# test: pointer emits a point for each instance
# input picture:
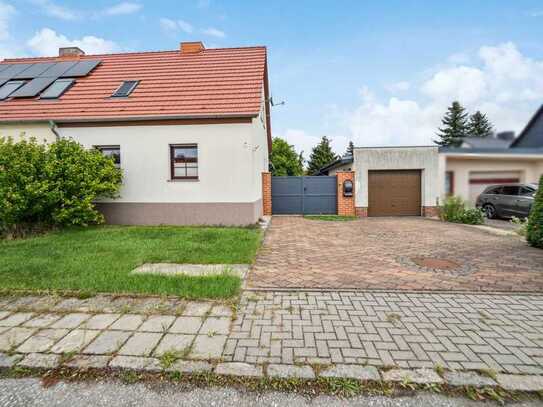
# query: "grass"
(99, 259)
(330, 217)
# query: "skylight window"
(57, 88)
(9, 87)
(125, 89)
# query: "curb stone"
(352, 372)
(458, 379)
(136, 363)
(239, 369)
(418, 376)
(290, 371)
(40, 360)
(190, 366)
(520, 383)
(9, 361)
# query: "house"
(415, 180)
(190, 128)
(501, 159)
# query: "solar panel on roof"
(33, 71)
(4, 66)
(9, 88)
(13, 70)
(81, 68)
(57, 88)
(32, 88)
(125, 89)
(58, 69)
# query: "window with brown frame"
(184, 161)
(113, 152)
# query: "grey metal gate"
(304, 195)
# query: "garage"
(480, 180)
(394, 193)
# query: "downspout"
(53, 127)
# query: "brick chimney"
(70, 52)
(192, 47)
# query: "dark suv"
(507, 200)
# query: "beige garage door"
(394, 193)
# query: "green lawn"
(99, 259)
(330, 217)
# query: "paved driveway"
(393, 253)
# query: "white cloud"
(46, 42)
(501, 82)
(213, 32)
(6, 12)
(174, 26)
(54, 10)
(123, 8)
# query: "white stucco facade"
(424, 159)
(42, 131)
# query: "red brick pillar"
(345, 204)
(266, 194)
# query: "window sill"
(184, 180)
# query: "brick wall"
(362, 211)
(345, 204)
(266, 194)
(430, 211)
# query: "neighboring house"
(478, 163)
(190, 128)
(414, 180)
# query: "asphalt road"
(29, 392)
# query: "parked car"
(505, 201)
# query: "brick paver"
(407, 330)
(382, 253)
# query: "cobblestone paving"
(371, 253)
(457, 331)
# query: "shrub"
(52, 185)
(534, 230)
(521, 225)
(454, 210)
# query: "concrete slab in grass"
(221, 311)
(107, 342)
(352, 372)
(42, 340)
(16, 319)
(288, 371)
(178, 343)
(418, 376)
(140, 344)
(468, 379)
(42, 321)
(4, 314)
(520, 382)
(75, 341)
(135, 363)
(186, 325)
(101, 321)
(197, 309)
(157, 323)
(207, 347)
(239, 369)
(40, 360)
(14, 337)
(128, 323)
(193, 270)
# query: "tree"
(321, 155)
(534, 230)
(479, 125)
(350, 148)
(284, 160)
(454, 126)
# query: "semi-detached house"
(190, 128)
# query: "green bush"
(534, 230)
(454, 210)
(52, 185)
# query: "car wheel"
(490, 211)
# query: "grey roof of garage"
(500, 151)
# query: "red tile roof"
(211, 83)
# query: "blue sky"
(375, 72)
